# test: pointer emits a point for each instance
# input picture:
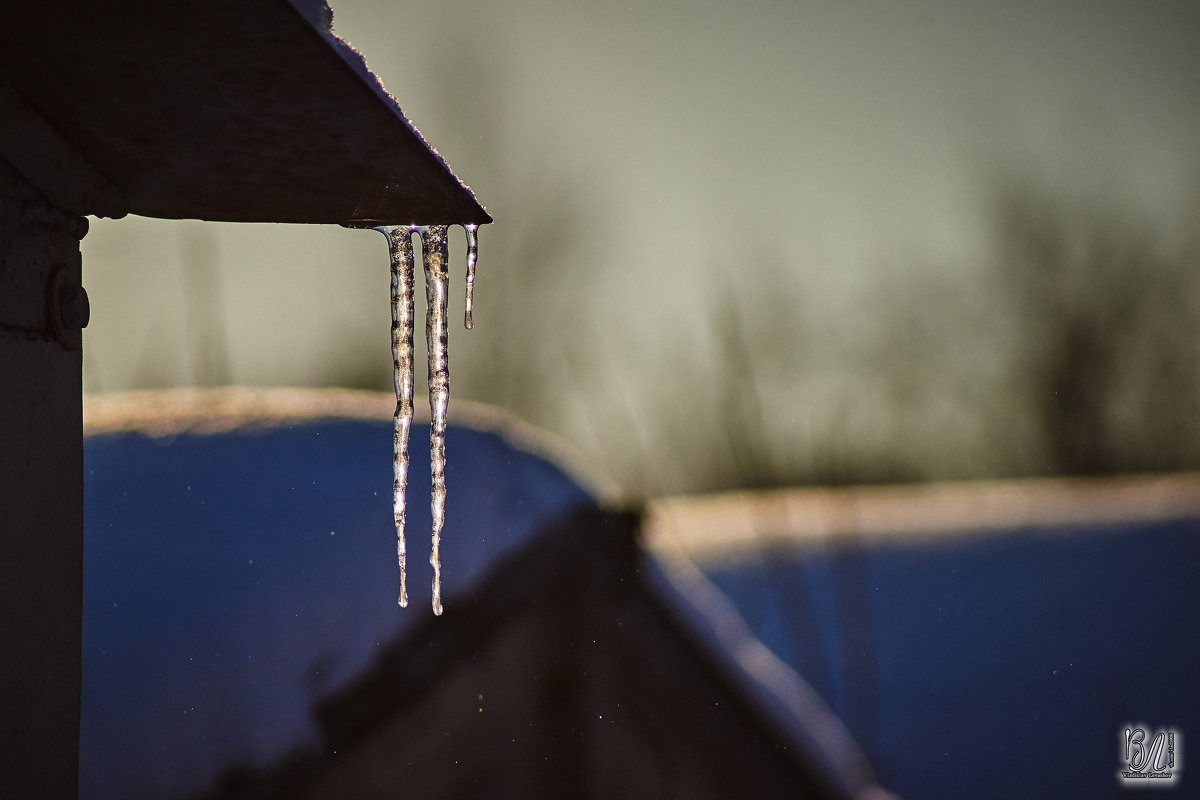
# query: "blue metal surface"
(231, 579)
(996, 666)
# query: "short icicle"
(472, 231)
(435, 251)
(400, 248)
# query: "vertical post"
(42, 308)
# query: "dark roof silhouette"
(573, 671)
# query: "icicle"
(472, 231)
(435, 252)
(400, 248)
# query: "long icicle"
(435, 251)
(400, 248)
(472, 231)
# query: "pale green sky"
(852, 136)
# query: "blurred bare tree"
(774, 394)
(1106, 316)
(1074, 348)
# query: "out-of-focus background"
(752, 244)
(737, 246)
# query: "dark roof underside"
(233, 110)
